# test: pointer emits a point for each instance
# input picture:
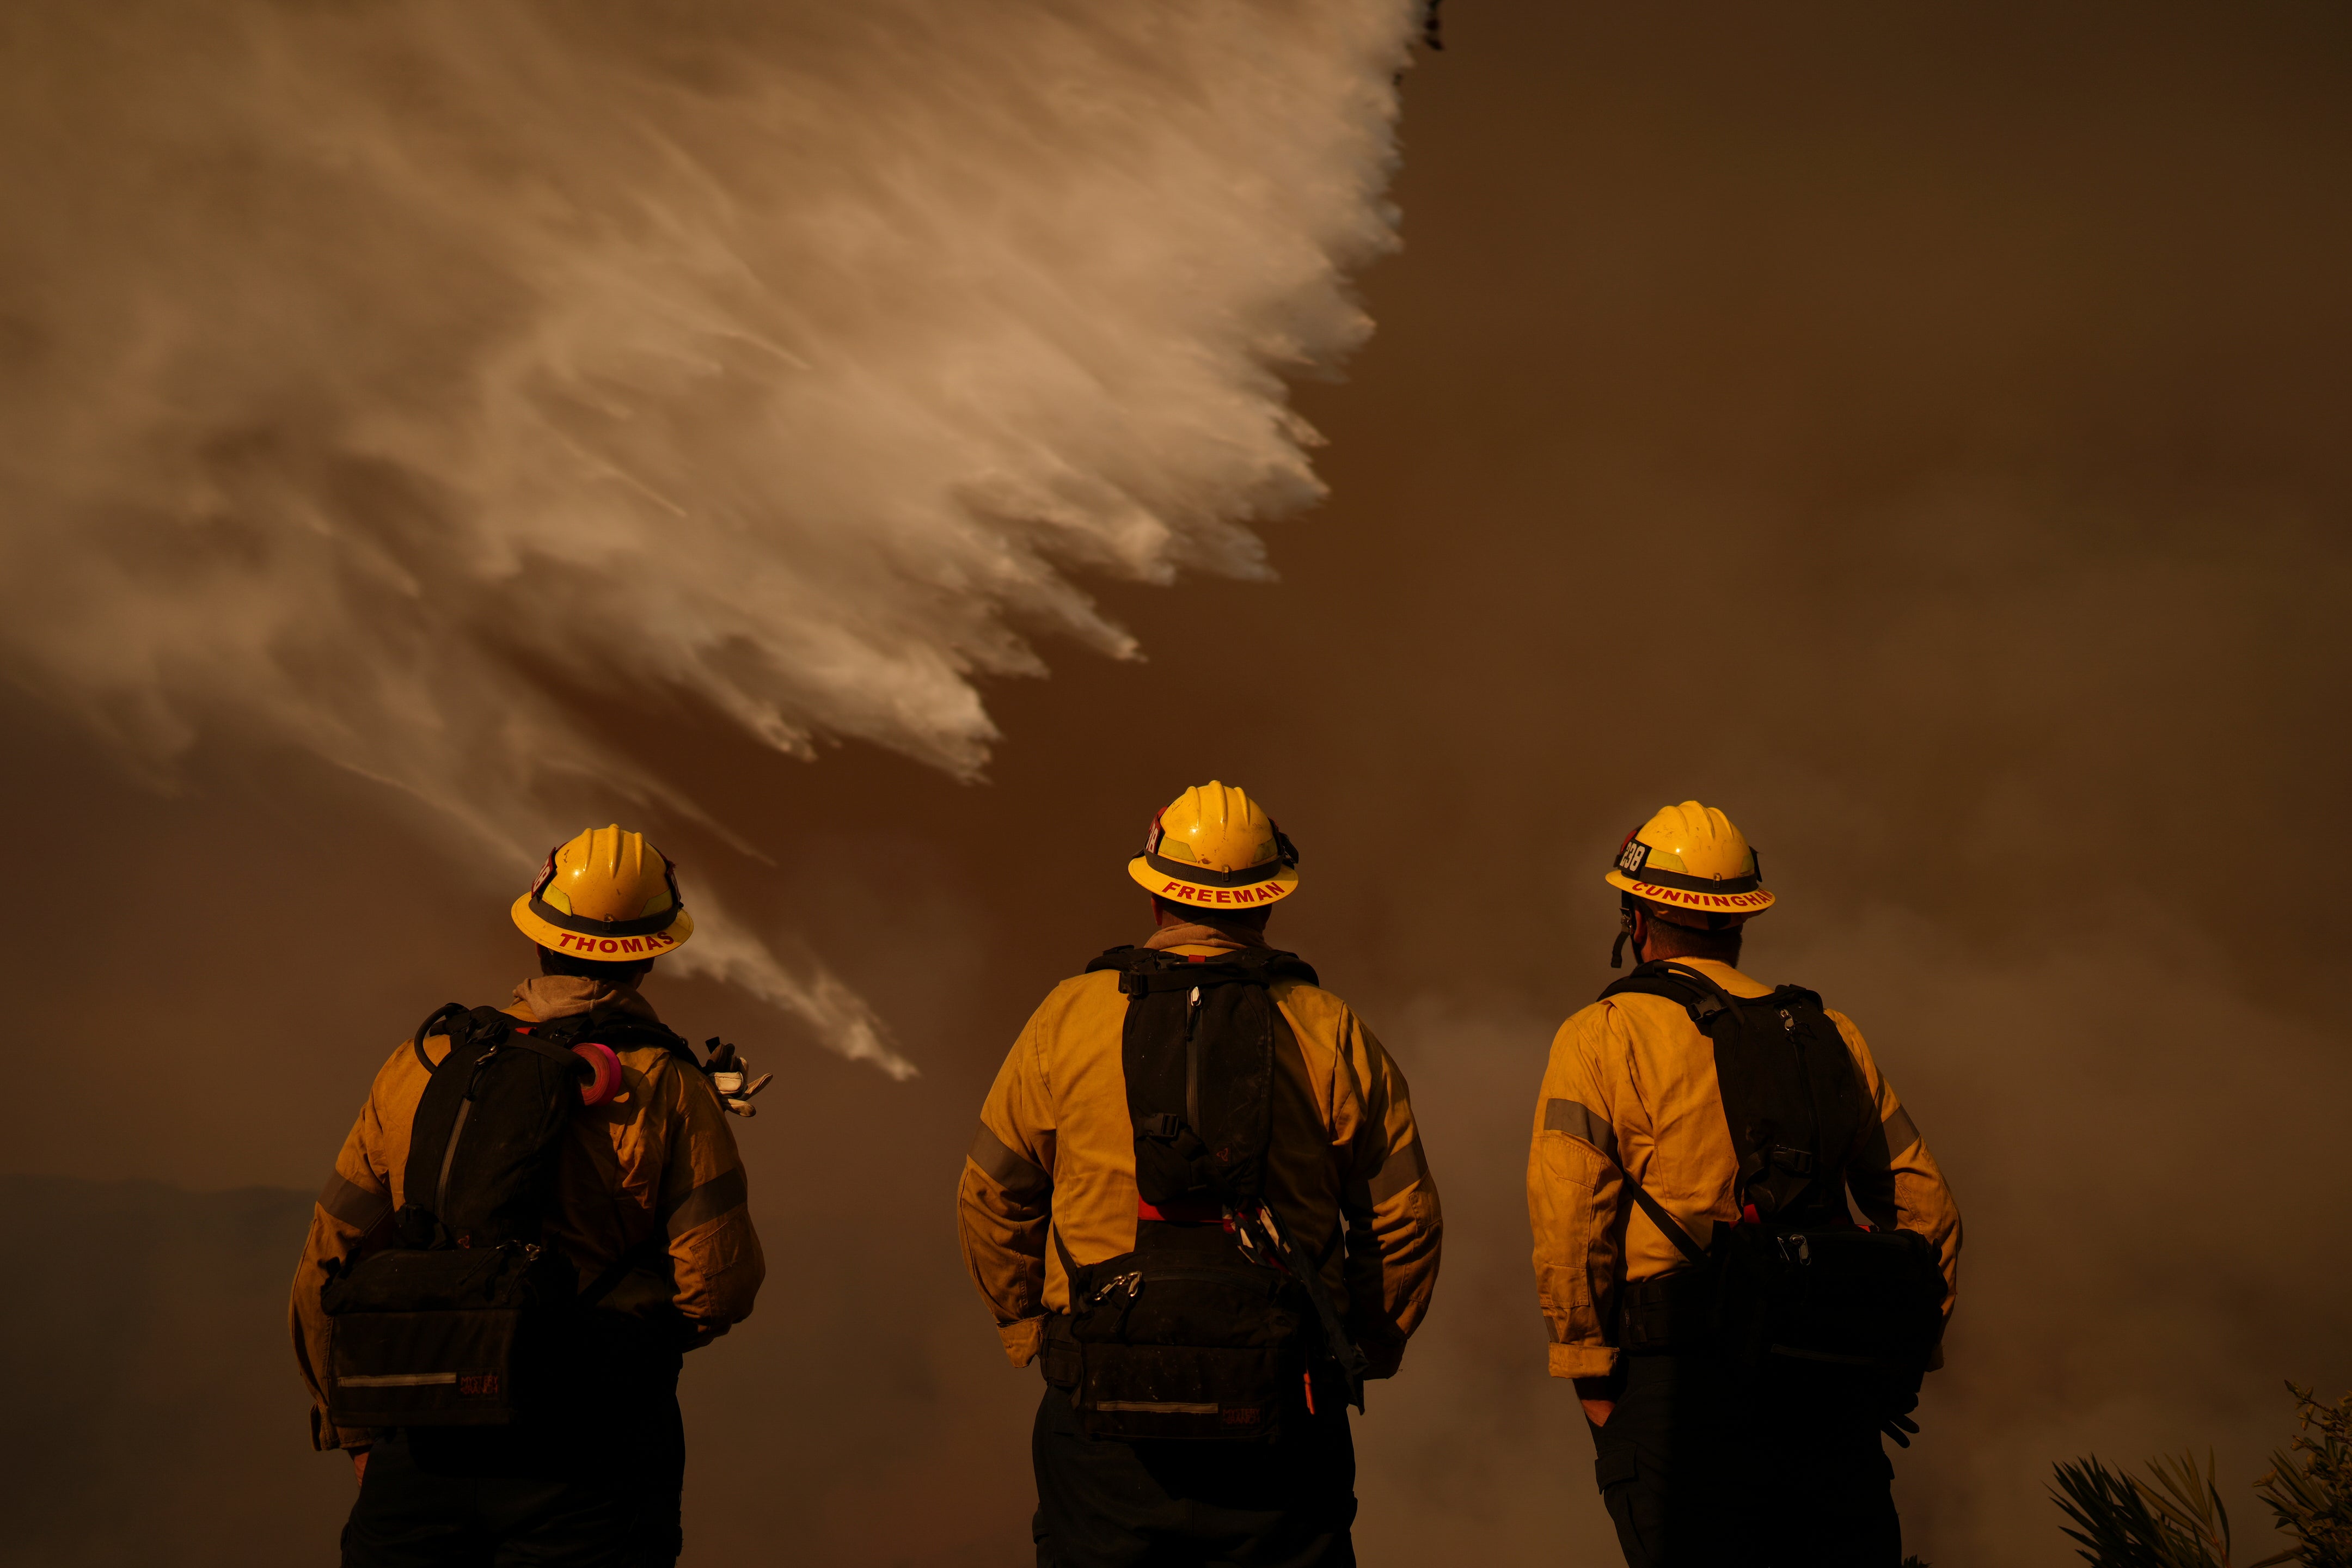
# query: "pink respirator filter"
(607, 1069)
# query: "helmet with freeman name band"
(607, 895)
(1214, 847)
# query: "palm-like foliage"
(2310, 1484)
(2175, 1520)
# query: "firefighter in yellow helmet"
(538, 1209)
(1738, 1341)
(1198, 1200)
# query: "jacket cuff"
(1583, 1361)
(1022, 1339)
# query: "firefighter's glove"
(1382, 1357)
(1384, 1347)
(730, 1074)
(1897, 1423)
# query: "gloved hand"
(1384, 1347)
(1897, 1423)
(730, 1074)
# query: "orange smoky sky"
(1920, 430)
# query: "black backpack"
(466, 1317)
(1795, 1279)
(1219, 1319)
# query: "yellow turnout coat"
(1056, 1148)
(1631, 1087)
(657, 1158)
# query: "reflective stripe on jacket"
(657, 1158)
(1632, 1080)
(1055, 1147)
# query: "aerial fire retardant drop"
(483, 376)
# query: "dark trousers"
(1105, 1504)
(1781, 1469)
(600, 1493)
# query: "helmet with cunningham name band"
(1690, 857)
(1214, 847)
(607, 895)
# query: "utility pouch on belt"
(1796, 1278)
(465, 1320)
(1213, 1326)
(1181, 1338)
(441, 1338)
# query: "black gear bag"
(1796, 1278)
(1216, 1323)
(468, 1316)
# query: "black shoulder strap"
(556, 1037)
(464, 1025)
(1144, 970)
(1784, 995)
(1677, 983)
(1074, 1272)
(1275, 964)
(1664, 1221)
(1706, 1003)
(1703, 999)
(441, 1110)
(548, 1048)
(624, 1031)
(433, 1024)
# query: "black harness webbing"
(1664, 1221)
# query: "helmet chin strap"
(1625, 932)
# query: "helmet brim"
(1754, 903)
(1250, 896)
(602, 949)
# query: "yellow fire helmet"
(1689, 857)
(1216, 847)
(607, 895)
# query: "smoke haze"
(381, 378)
(1921, 433)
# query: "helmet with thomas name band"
(607, 895)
